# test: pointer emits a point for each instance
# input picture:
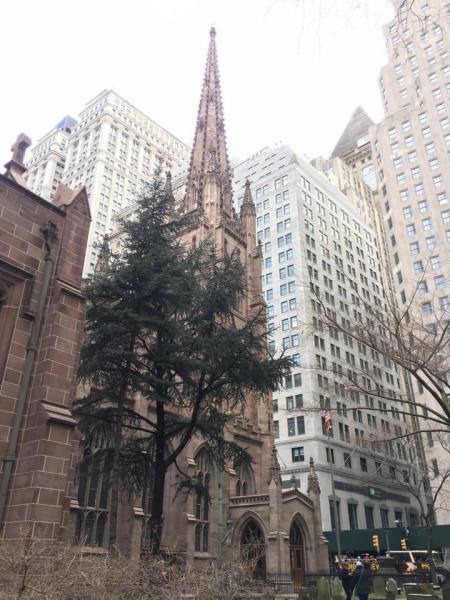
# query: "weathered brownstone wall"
(39, 483)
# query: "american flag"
(327, 421)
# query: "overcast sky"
(291, 70)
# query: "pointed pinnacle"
(247, 194)
(168, 185)
(209, 133)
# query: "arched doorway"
(297, 554)
(253, 549)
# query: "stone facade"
(410, 149)
(42, 248)
(248, 505)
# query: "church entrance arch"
(297, 554)
(253, 548)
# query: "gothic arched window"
(205, 477)
(245, 480)
(295, 535)
(253, 548)
(93, 498)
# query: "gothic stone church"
(248, 504)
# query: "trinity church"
(248, 506)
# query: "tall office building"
(112, 151)
(411, 152)
(354, 147)
(318, 242)
(409, 149)
(48, 157)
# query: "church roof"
(356, 128)
(209, 152)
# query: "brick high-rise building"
(42, 248)
(112, 151)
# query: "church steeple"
(209, 179)
(248, 206)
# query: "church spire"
(313, 480)
(209, 160)
(248, 206)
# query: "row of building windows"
(381, 447)
(444, 305)
(369, 513)
(422, 206)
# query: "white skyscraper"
(411, 151)
(113, 150)
(318, 242)
(48, 157)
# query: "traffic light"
(403, 544)
(376, 542)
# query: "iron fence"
(283, 582)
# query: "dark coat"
(362, 580)
(347, 580)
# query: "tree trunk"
(115, 477)
(160, 466)
(156, 520)
(115, 470)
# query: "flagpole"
(333, 494)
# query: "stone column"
(318, 558)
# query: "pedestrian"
(362, 580)
(347, 580)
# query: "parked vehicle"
(410, 562)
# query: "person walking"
(347, 581)
(362, 580)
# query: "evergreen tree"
(162, 327)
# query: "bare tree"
(425, 485)
(411, 337)
(35, 570)
(412, 340)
